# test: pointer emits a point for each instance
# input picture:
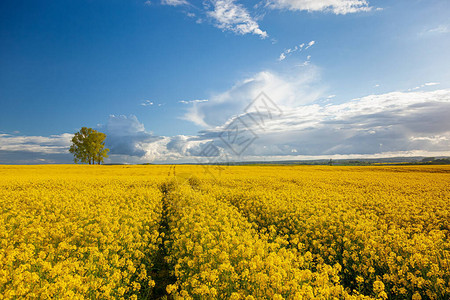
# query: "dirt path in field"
(162, 273)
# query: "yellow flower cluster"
(387, 227)
(217, 253)
(76, 232)
(240, 232)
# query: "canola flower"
(77, 234)
(388, 226)
(248, 232)
(218, 254)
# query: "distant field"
(238, 232)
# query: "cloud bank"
(51, 144)
(391, 124)
(19, 149)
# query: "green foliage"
(88, 146)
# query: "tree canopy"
(88, 146)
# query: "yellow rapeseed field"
(75, 232)
(238, 232)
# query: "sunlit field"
(238, 232)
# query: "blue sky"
(164, 78)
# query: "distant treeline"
(434, 161)
(425, 161)
(338, 162)
(352, 162)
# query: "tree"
(88, 146)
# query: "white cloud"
(151, 103)
(287, 89)
(296, 48)
(310, 44)
(53, 144)
(392, 124)
(335, 6)
(396, 122)
(433, 139)
(441, 29)
(192, 101)
(228, 15)
(128, 140)
(423, 85)
(304, 64)
(148, 3)
(147, 103)
(174, 2)
(126, 135)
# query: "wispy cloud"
(441, 29)
(310, 44)
(147, 103)
(339, 7)
(192, 101)
(174, 2)
(294, 49)
(434, 31)
(423, 85)
(231, 16)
